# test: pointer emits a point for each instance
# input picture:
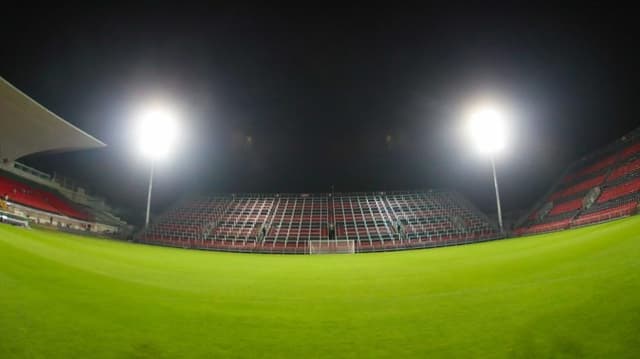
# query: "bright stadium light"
(157, 133)
(487, 129)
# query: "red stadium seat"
(620, 190)
(577, 188)
(618, 176)
(43, 200)
(624, 170)
(607, 214)
(566, 207)
(546, 227)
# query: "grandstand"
(601, 186)
(598, 187)
(24, 194)
(289, 223)
(29, 128)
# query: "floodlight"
(157, 131)
(487, 129)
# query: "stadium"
(375, 273)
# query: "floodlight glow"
(158, 132)
(487, 129)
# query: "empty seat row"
(566, 207)
(621, 155)
(620, 190)
(27, 195)
(577, 188)
(624, 170)
(278, 222)
(607, 214)
(544, 227)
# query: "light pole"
(495, 184)
(146, 221)
(487, 129)
(157, 132)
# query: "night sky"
(299, 100)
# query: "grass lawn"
(569, 294)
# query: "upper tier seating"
(577, 188)
(24, 194)
(624, 170)
(604, 163)
(286, 223)
(630, 151)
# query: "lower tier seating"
(34, 197)
(621, 210)
(566, 207)
(606, 214)
(545, 227)
(287, 223)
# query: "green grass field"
(568, 294)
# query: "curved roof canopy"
(26, 127)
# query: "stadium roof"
(26, 127)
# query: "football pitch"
(570, 294)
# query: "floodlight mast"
(157, 131)
(146, 221)
(487, 129)
(495, 184)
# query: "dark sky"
(362, 98)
